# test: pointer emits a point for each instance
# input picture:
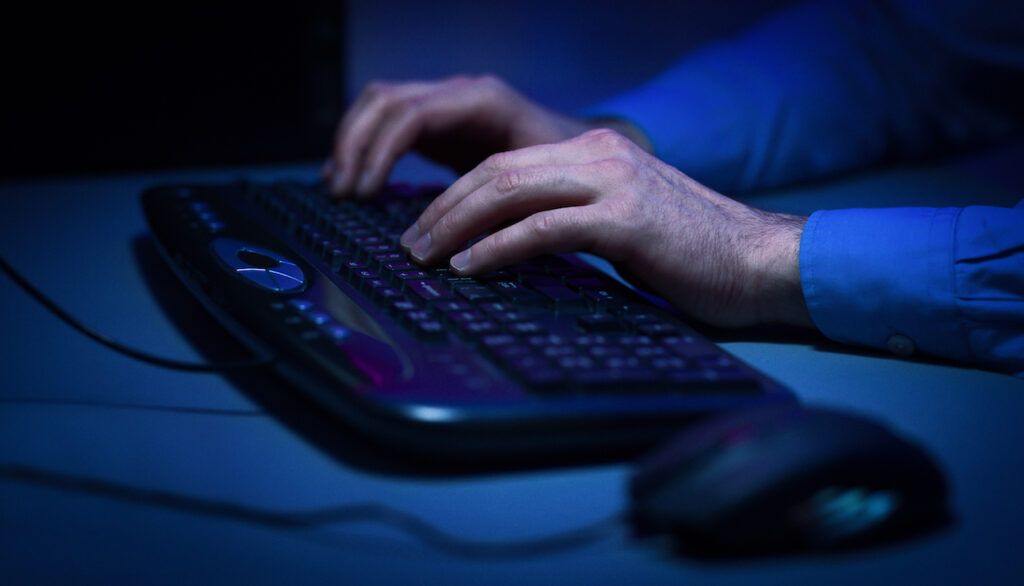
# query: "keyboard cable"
(327, 518)
(42, 299)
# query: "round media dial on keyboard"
(261, 267)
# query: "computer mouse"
(786, 478)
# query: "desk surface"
(78, 412)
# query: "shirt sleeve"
(944, 281)
(836, 85)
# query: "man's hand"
(456, 122)
(714, 258)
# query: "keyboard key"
(478, 328)
(418, 315)
(491, 307)
(690, 348)
(351, 267)
(464, 316)
(403, 306)
(575, 362)
(300, 305)
(668, 363)
(605, 351)
(405, 276)
(387, 258)
(605, 299)
(431, 330)
(507, 317)
(396, 265)
(428, 291)
(549, 340)
(499, 340)
(650, 351)
(517, 293)
(658, 329)
(559, 351)
(318, 317)
(512, 351)
(590, 340)
(639, 319)
(600, 323)
(622, 363)
(521, 270)
(476, 293)
(527, 363)
(446, 306)
(585, 283)
(385, 295)
(526, 327)
(372, 250)
(337, 257)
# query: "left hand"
(714, 258)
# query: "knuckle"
(410, 106)
(490, 81)
(496, 163)
(445, 225)
(607, 138)
(543, 225)
(509, 182)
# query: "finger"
(332, 166)
(574, 151)
(359, 128)
(353, 141)
(446, 105)
(397, 136)
(509, 196)
(546, 232)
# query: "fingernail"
(338, 182)
(422, 247)
(410, 236)
(365, 184)
(460, 262)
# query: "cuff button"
(900, 345)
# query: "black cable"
(408, 523)
(126, 350)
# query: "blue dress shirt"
(834, 86)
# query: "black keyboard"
(541, 357)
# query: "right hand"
(457, 122)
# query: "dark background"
(151, 86)
(147, 85)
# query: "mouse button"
(709, 491)
(698, 442)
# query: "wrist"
(774, 264)
(623, 127)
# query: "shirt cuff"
(884, 278)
